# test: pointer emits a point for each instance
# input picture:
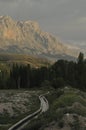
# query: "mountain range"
(26, 37)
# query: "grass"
(61, 102)
(5, 127)
(68, 99)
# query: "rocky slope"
(26, 37)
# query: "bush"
(58, 83)
(35, 125)
(61, 124)
(46, 85)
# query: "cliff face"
(27, 37)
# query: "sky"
(65, 19)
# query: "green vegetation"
(62, 101)
(68, 99)
(58, 75)
(47, 117)
(53, 78)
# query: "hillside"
(26, 37)
(67, 111)
(34, 61)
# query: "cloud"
(8, 1)
(64, 18)
(81, 20)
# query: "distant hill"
(23, 59)
(26, 37)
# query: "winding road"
(44, 106)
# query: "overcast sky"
(64, 18)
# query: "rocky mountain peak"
(34, 25)
(27, 37)
(7, 20)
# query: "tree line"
(59, 74)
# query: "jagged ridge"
(27, 37)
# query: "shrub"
(61, 124)
(58, 83)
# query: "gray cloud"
(64, 18)
(8, 1)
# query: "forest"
(61, 73)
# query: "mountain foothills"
(26, 37)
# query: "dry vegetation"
(16, 104)
(67, 111)
(24, 59)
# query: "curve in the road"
(43, 108)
